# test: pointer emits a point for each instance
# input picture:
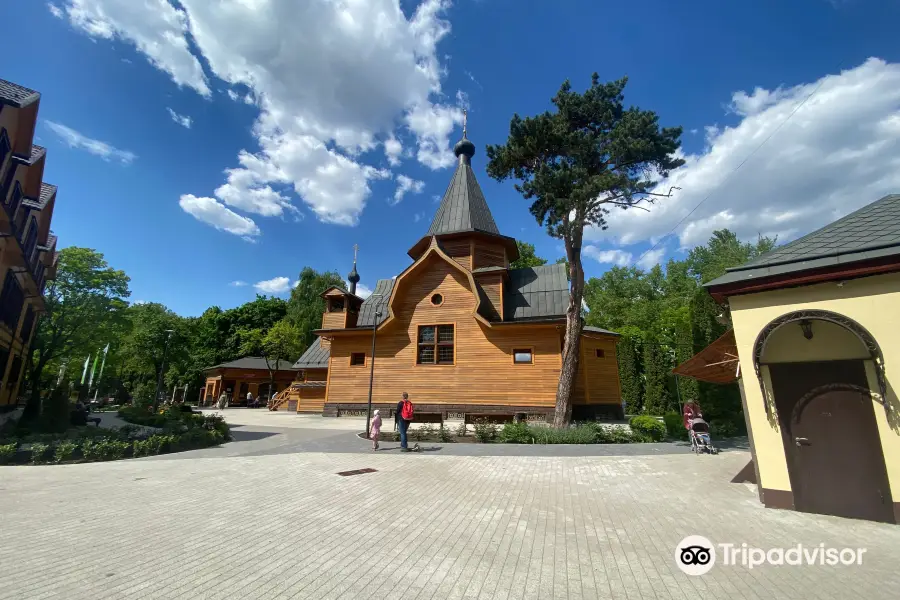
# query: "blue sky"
(310, 96)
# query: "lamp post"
(372, 365)
(162, 369)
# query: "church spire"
(464, 149)
(353, 277)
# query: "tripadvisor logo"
(696, 555)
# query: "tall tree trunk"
(32, 408)
(574, 325)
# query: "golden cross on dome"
(465, 121)
(355, 250)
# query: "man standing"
(403, 417)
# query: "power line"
(763, 143)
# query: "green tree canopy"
(85, 308)
(574, 165)
(527, 257)
(305, 307)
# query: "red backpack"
(406, 412)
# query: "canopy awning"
(717, 363)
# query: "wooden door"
(833, 450)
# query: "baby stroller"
(699, 434)
(698, 430)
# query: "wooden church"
(458, 329)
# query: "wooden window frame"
(435, 345)
(530, 350)
(364, 362)
(433, 303)
(599, 353)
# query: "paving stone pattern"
(422, 526)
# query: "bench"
(425, 417)
(473, 418)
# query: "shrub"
(104, 449)
(675, 426)
(485, 432)
(618, 435)
(217, 423)
(64, 451)
(444, 434)
(143, 395)
(461, 429)
(723, 429)
(8, 453)
(516, 433)
(56, 412)
(142, 416)
(648, 427)
(39, 453)
(576, 434)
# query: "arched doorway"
(816, 363)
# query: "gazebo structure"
(817, 340)
(248, 374)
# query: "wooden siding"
(483, 373)
(334, 320)
(493, 291)
(316, 375)
(600, 376)
(489, 255)
(460, 251)
(311, 400)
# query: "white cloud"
(75, 139)
(276, 285)
(650, 259)
(462, 99)
(329, 78)
(362, 290)
(55, 10)
(406, 185)
(155, 27)
(615, 257)
(432, 125)
(839, 152)
(234, 95)
(213, 212)
(182, 120)
(238, 283)
(419, 216)
(393, 149)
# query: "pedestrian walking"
(375, 429)
(403, 417)
(223, 401)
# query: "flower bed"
(173, 432)
(641, 431)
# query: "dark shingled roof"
(36, 153)
(315, 357)
(39, 203)
(16, 95)
(251, 362)
(592, 329)
(873, 231)
(463, 207)
(374, 303)
(536, 293)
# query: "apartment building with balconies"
(28, 254)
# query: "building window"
(437, 299)
(435, 345)
(523, 356)
(600, 353)
(357, 359)
(15, 200)
(4, 147)
(14, 372)
(28, 323)
(30, 240)
(11, 301)
(336, 305)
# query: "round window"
(437, 299)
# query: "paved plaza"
(279, 525)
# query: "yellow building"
(817, 336)
(27, 246)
